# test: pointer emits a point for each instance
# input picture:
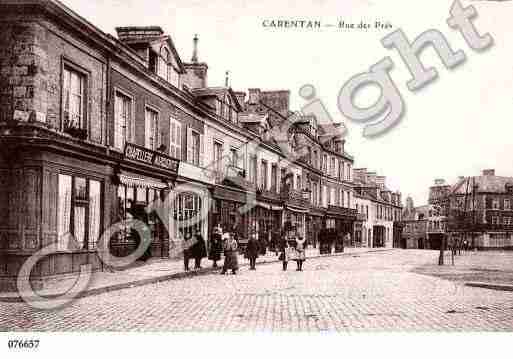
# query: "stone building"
(479, 210)
(379, 210)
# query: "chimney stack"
(489, 172)
(194, 58)
(253, 96)
(227, 79)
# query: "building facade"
(379, 211)
(98, 130)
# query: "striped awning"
(141, 182)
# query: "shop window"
(132, 204)
(78, 211)
(175, 138)
(122, 120)
(151, 134)
(187, 210)
(74, 101)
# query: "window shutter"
(202, 151)
(190, 149)
(147, 129)
(178, 140)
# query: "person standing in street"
(187, 248)
(300, 252)
(231, 261)
(252, 250)
(216, 246)
(199, 249)
(284, 248)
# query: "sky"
(456, 126)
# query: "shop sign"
(144, 155)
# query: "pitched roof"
(488, 184)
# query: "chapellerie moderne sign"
(144, 155)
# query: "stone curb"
(169, 277)
(493, 286)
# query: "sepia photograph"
(256, 177)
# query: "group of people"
(290, 248)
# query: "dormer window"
(164, 64)
(153, 62)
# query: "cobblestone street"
(363, 292)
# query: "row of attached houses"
(96, 130)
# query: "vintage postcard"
(254, 167)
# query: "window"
(122, 120)
(175, 138)
(495, 220)
(495, 204)
(333, 167)
(274, 178)
(349, 172)
(164, 64)
(74, 101)
(283, 174)
(253, 169)
(507, 221)
(341, 198)
(151, 133)
(263, 175)
(218, 155)
(187, 209)
(315, 159)
(194, 145)
(298, 182)
(234, 157)
(325, 163)
(315, 194)
(507, 204)
(79, 211)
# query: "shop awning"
(297, 209)
(141, 182)
(268, 206)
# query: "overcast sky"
(457, 125)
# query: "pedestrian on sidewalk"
(231, 262)
(187, 248)
(216, 246)
(252, 250)
(199, 249)
(300, 253)
(284, 251)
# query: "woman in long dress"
(230, 254)
(300, 252)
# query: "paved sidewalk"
(158, 270)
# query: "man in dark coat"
(216, 246)
(199, 250)
(252, 250)
(187, 248)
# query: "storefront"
(138, 190)
(229, 210)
